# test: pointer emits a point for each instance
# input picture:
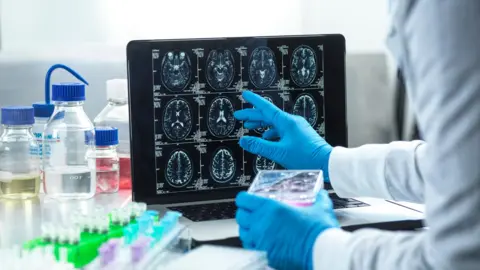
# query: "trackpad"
(349, 218)
(214, 230)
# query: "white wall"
(90, 36)
(370, 95)
(364, 23)
(73, 28)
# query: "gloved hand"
(287, 234)
(299, 147)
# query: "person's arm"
(437, 44)
(387, 171)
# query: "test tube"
(158, 230)
(105, 254)
(144, 223)
(46, 233)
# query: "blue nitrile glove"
(286, 233)
(299, 147)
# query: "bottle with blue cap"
(19, 166)
(106, 159)
(44, 110)
(42, 113)
(69, 134)
(115, 114)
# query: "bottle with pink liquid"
(106, 159)
(115, 114)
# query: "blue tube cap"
(106, 136)
(17, 116)
(43, 110)
(68, 92)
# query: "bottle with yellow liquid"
(19, 162)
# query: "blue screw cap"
(106, 136)
(68, 92)
(43, 110)
(17, 116)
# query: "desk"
(21, 220)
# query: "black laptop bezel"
(142, 144)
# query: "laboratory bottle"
(115, 114)
(19, 165)
(42, 113)
(106, 159)
(69, 133)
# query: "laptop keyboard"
(226, 210)
(205, 212)
(341, 203)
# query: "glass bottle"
(115, 114)
(106, 159)
(42, 113)
(68, 174)
(19, 165)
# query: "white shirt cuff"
(331, 250)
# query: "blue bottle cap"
(68, 92)
(106, 136)
(43, 110)
(17, 116)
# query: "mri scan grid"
(218, 122)
(176, 119)
(224, 164)
(308, 104)
(197, 88)
(180, 168)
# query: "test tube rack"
(125, 238)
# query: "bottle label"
(39, 151)
(77, 182)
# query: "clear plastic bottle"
(115, 114)
(68, 174)
(106, 159)
(19, 165)
(42, 113)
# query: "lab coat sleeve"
(387, 171)
(436, 43)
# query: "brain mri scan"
(179, 169)
(262, 163)
(262, 67)
(263, 129)
(306, 107)
(303, 68)
(220, 69)
(220, 117)
(177, 119)
(223, 165)
(176, 70)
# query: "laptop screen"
(183, 94)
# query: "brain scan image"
(262, 163)
(303, 68)
(177, 119)
(263, 129)
(223, 165)
(176, 70)
(306, 107)
(220, 69)
(179, 169)
(262, 67)
(220, 117)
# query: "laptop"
(184, 138)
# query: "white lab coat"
(437, 45)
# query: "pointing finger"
(270, 134)
(260, 147)
(254, 124)
(249, 115)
